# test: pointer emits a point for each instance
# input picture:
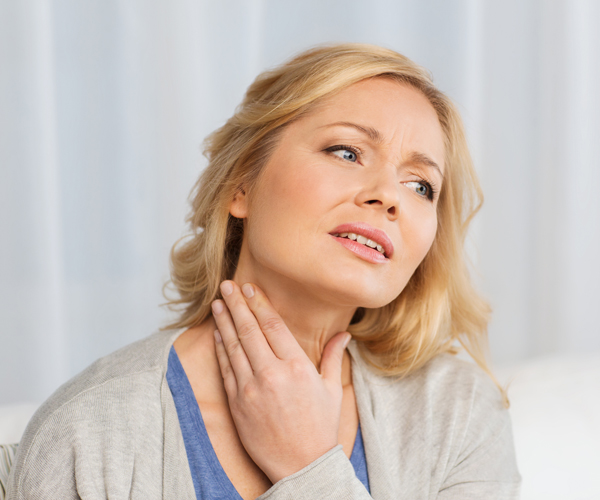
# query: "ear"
(239, 205)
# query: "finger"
(253, 340)
(229, 380)
(333, 355)
(281, 340)
(233, 348)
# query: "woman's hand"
(287, 414)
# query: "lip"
(368, 231)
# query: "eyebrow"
(424, 160)
(376, 137)
(370, 132)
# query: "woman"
(336, 200)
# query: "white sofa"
(555, 409)
(13, 420)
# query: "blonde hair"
(439, 306)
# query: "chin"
(369, 295)
(375, 302)
(363, 289)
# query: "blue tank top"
(210, 480)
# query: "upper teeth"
(361, 239)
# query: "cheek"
(419, 236)
(429, 235)
(283, 205)
(304, 192)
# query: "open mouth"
(366, 241)
(362, 240)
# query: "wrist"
(285, 469)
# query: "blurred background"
(104, 106)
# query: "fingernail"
(248, 290)
(347, 341)
(217, 307)
(218, 338)
(226, 288)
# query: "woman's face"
(366, 164)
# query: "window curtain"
(104, 106)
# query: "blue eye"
(422, 188)
(346, 155)
(344, 152)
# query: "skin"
(274, 383)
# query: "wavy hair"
(438, 309)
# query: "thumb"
(331, 362)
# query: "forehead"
(405, 120)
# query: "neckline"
(194, 415)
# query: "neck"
(312, 319)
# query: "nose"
(382, 191)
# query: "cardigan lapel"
(379, 481)
(177, 477)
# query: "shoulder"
(475, 444)
(99, 417)
(144, 361)
(449, 397)
(449, 380)
(444, 382)
(449, 418)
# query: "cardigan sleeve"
(485, 466)
(486, 472)
(96, 445)
(330, 477)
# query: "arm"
(484, 465)
(94, 441)
(329, 477)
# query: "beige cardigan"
(112, 432)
